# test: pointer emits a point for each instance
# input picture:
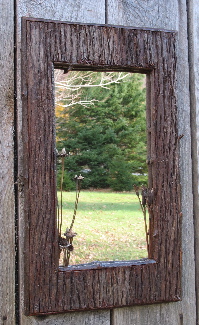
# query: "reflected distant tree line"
(101, 123)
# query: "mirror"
(101, 166)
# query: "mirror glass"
(101, 146)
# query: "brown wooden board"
(49, 288)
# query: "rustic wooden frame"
(49, 288)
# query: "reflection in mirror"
(101, 166)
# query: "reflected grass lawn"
(109, 226)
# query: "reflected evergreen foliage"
(104, 132)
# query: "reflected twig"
(143, 205)
(66, 244)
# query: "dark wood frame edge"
(30, 308)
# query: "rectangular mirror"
(49, 287)
(101, 135)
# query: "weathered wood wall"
(170, 14)
(7, 238)
(193, 28)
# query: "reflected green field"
(109, 226)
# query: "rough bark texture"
(49, 290)
(7, 239)
(155, 14)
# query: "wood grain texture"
(76, 10)
(168, 15)
(169, 314)
(7, 237)
(193, 27)
(150, 13)
(101, 317)
(87, 11)
(49, 290)
(174, 18)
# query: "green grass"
(109, 226)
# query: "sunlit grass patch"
(109, 226)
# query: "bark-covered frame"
(48, 288)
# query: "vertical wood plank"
(171, 15)
(84, 11)
(81, 318)
(87, 11)
(152, 315)
(150, 13)
(193, 27)
(7, 237)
